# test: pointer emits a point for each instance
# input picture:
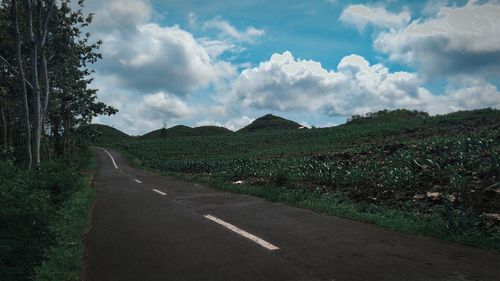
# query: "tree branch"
(15, 71)
(46, 22)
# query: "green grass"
(43, 216)
(97, 134)
(185, 131)
(382, 166)
(270, 122)
(442, 225)
(64, 261)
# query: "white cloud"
(477, 94)
(164, 105)
(233, 124)
(362, 15)
(154, 58)
(227, 30)
(121, 14)
(192, 20)
(286, 84)
(458, 40)
(215, 48)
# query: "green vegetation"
(436, 176)
(185, 131)
(97, 133)
(270, 122)
(44, 217)
(45, 104)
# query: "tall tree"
(48, 54)
(36, 42)
(22, 81)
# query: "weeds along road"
(147, 227)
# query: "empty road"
(147, 227)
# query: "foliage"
(64, 259)
(64, 53)
(441, 166)
(270, 122)
(98, 134)
(38, 209)
(185, 131)
(388, 116)
(24, 218)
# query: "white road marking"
(160, 192)
(243, 233)
(109, 154)
(137, 181)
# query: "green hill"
(185, 131)
(98, 133)
(432, 175)
(176, 131)
(270, 122)
(210, 131)
(384, 116)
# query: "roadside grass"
(445, 224)
(64, 260)
(426, 175)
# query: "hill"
(185, 131)
(98, 133)
(210, 131)
(270, 122)
(437, 173)
(384, 116)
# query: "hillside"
(98, 133)
(210, 131)
(437, 170)
(270, 122)
(185, 131)
(383, 116)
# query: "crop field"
(425, 165)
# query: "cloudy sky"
(197, 62)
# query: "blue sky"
(316, 62)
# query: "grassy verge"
(446, 223)
(64, 260)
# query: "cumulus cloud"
(233, 124)
(458, 40)
(192, 20)
(227, 30)
(287, 84)
(362, 15)
(165, 106)
(123, 14)
(155, 58)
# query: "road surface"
(148, 227)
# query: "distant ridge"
(270, 122)
(185, 131)
(99, 133)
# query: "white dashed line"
(159, 192)
(243, 233)
(137, 181)
(109, 154)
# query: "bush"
(43, 215)
(26, 212)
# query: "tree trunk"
(46, 89)
(41, 42)
(66, 138)
(26, 120)
(33, 46)
(4, 126)
(37, 45)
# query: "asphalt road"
(147, 227)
